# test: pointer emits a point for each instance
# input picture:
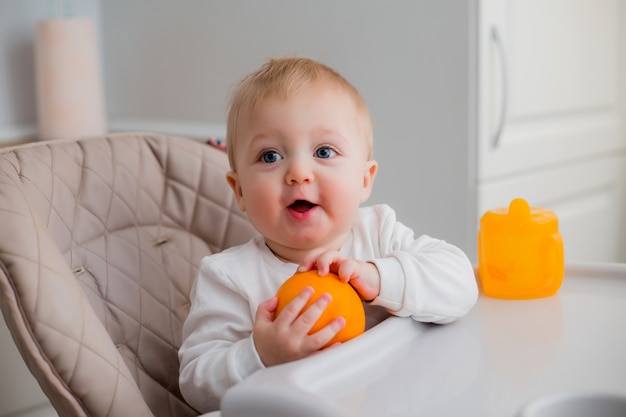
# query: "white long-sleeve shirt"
(423, 278)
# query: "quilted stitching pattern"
(100, 240)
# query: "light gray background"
(178, 60)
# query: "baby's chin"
(305, 245)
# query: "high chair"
(100, 241)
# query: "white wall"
(177, 60)
(20, 395)
(174, 61)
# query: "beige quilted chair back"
(100, 240)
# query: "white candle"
(70, 99)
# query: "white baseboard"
(194, 130)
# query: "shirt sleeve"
(218, 350)
(423, 278)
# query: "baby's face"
(302, 170)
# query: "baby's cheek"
(259, 209)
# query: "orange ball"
(345, 302)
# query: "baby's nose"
(299, 172)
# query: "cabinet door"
(588, 206)
(551, 82)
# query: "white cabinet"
(588, 198)
(551, 123)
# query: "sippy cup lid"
(520, 217)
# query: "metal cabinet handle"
(495, 37)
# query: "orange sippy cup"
(520, 252)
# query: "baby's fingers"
(309, 261)
(325, 335)
(306, 322)
(330, 261)
(290, 313)
(265, 311)
(309, 317)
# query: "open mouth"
(301, 206)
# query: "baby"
(299, 140)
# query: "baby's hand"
(286, 337)
(363, 276)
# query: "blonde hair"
(280, 78)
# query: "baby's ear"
(233, 180)
(371, 167)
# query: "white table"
(490, 363)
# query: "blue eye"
(270, 157)
(325, 152)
